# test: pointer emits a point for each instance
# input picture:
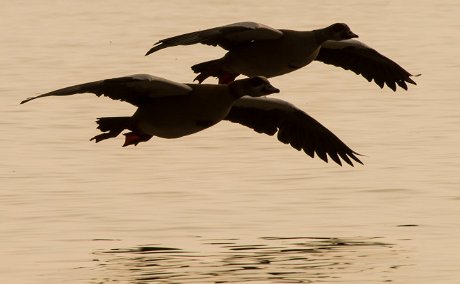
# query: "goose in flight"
(258, 50)
(169, 109)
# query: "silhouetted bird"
(170, 110)
(258, 50)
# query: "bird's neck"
(234, 92)
(320, 36)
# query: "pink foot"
(227, 78)
(133, 138)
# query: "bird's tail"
(213, 68)
(112, 126)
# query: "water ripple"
(270, 260)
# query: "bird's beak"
(269, 89)
(352, 35)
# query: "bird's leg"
(134, 138)
(226, 78)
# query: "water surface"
(228, 204)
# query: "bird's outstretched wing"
(136, 89)
(294, 127)
(363, 60)
(227, 36)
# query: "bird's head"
(254, 87)
(340, 31)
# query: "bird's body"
(255, 49)
(169, 109)
(177, 116)
(256, 58)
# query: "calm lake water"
(227, 205)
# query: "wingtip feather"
(25, 101)
(157, 46)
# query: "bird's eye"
(338, 27)
(257, 81)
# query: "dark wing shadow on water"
(270, 260)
